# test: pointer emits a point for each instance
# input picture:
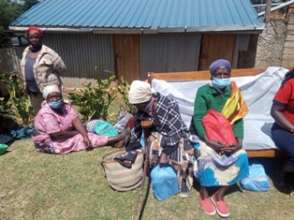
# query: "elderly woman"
(283, 113)
(40, 66)
(220, 164)
(59, 129)
(168, 129)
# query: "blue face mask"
(57, 104)
(221, 83)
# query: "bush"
(17, 105)
(94, 101)
(123, 90)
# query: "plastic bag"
(164, 182)
(3, 148)
(257, 180)
(218, 128)
(102, 127)
(105, 128)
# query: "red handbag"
(218, 128)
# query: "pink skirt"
(74, 144)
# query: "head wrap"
(50, 89)
(140, 92)
(33, 29)
(220, 63)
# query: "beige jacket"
(47, 69)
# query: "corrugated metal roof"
(157, 15)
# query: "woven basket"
(119, 177)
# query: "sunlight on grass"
(42, 186)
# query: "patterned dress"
(48, 122)
(214, 169)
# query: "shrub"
(17, 105)
(123, 90)
(94, 100)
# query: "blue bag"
(102, 127)
(164, 182)
(257, 180)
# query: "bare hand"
(217, 146)
(231, 149)
(88, 143)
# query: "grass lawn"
(41, 186)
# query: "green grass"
(41, 186)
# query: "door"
(126, 50)
(216, 46)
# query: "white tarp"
(258, 92)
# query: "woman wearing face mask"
(59, 129)
(40, 66)
(220, 165)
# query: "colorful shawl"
(235, 108)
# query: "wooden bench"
(205, 75)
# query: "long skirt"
(73, 144)
(221, 170)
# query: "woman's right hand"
(88, 143)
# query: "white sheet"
(258, 92)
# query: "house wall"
(169, 52)
(275, 43)
(246, 46)
(288, 52)
(217, 46)
(271, 44)
(85, 55)
(9, 61)
(238, 48)
(127, 56)
(88, 56)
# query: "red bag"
(218, 128)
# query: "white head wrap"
(50, 89)
(140, 92)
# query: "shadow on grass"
(6, 152)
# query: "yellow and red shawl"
(235, 108)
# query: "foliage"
(94, 101)
(18, 105)
(123, 90)
(28, 4)
(10, 10)
(3, 107)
